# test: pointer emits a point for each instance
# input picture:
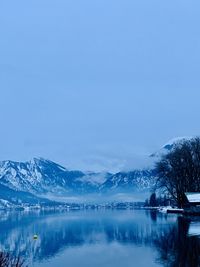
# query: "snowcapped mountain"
(138, 180)
(41, 177)
(169, 146)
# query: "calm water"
(101, 238)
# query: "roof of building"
(193, 197)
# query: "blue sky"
(95, 84)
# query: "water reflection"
(168, 236)
(194, 229)
(177, 247)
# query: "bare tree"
(179, 171)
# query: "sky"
(97, 84)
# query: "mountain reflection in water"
(165, 240)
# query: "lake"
(103, 238)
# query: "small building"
(193, 199)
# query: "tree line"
(178, 171)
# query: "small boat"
(163, 209)
(170, 209)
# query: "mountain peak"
(176, 140)
(38, 160)
(170, 145)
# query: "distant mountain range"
(36, 180)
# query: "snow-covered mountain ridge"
(41, 177)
